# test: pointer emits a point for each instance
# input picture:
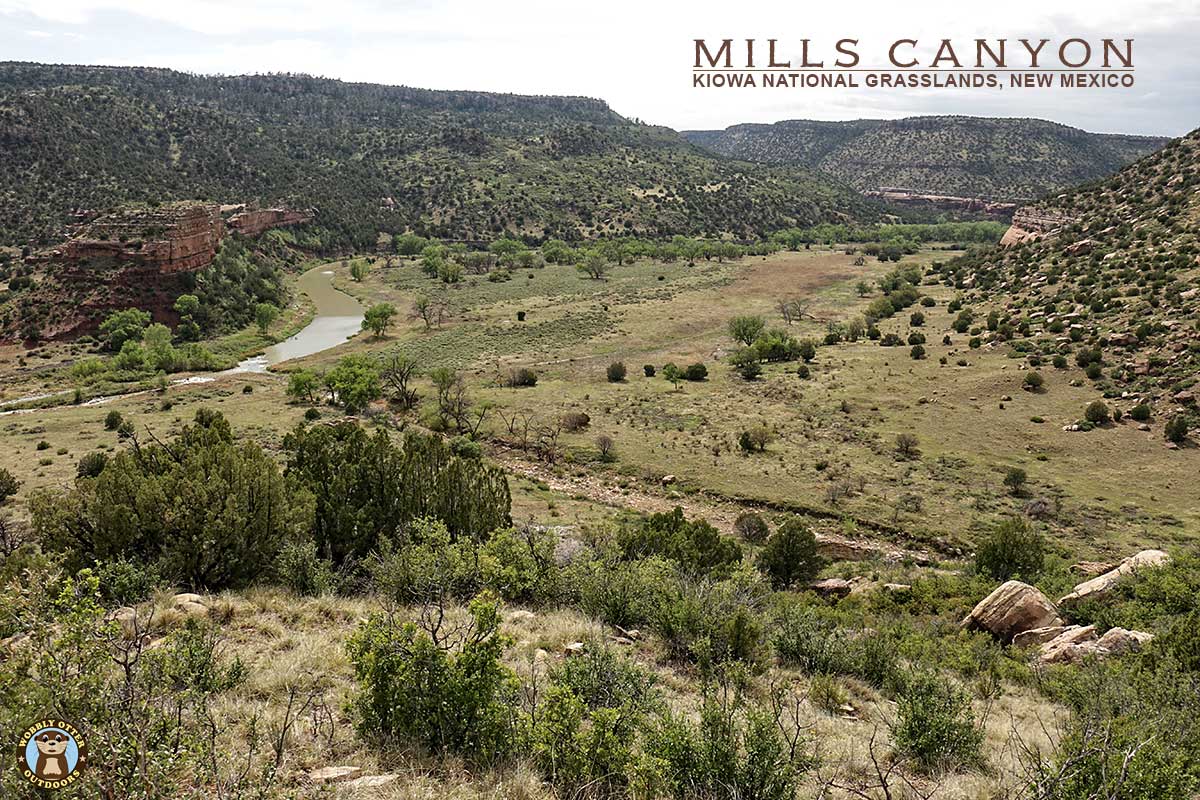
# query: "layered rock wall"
(1030, 223)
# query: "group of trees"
(207, 511)
(761, 344)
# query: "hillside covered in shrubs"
(452, 165)
(997, 159)
(1114, 291)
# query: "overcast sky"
(635, 55)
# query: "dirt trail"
(720, 512)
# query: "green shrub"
(1014, 547)
(624, 593)
(445, 694)
(826, 693)
(206, 512)
(126, 583)
(1133, 732)
(803, 638)
(603, 678)
(91, 464)
(9, 485)
(300, 569)
(518, 564)
(113, 420)
(737, 750)
(581, 758)
(790, 555)
(756, 439)
(695, 372)
(1140, 412)
(917, 352)
(1015, 479)
(694, 544)
(935, 725)
(751, 527)
(709, 621)
(648, 370)
(1033, 380)
(519, 377)
(366, 488)
(1176, 429)
(1096, 412)
(745, 363)
(615, 372)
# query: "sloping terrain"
(1111, 277)
(997, 159)
(457, 165)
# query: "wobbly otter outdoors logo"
(52, 753)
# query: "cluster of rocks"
(1019, 614)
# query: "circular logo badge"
(52, 753)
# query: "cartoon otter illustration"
(52, 755)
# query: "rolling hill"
(997, 159)
(1107, 274)
(457, 165)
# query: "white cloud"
(634, 53)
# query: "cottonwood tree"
(430, 311)
(378, 317)
(746, 329)
(595, 264)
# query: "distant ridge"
(368, 158)
(998, 159)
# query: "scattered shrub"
(790, 555)
(1176, 429)
(91, 464)
(751, 527)
(575, 421)
(1096, 412)
(935, 724)
(756, 439)
(615, 372)
(1014, 547)
(449, 694)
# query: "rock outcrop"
(1102, 585)
(1078, 642)
(252, 223)
(135, 256)
(176, 237)
(945, 202)
(1012, 608)
(1030, 223)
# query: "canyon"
(131, 257)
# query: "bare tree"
(398, 371)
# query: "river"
(339, 317)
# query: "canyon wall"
(134, 257)
(1030, 223)
(974, 205)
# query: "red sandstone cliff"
(133, 257)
